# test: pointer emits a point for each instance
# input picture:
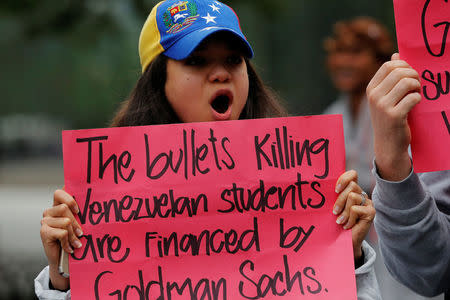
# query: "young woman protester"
(196, 67)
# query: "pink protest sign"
(423, 41)
(222, 210)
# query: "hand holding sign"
(392, 93)
(352, 212)
(59, 228)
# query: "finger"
(397, 78)
(62, 197)
(395, 56)
(345, 179)
(341, 201)
(66, 224)
(408, 103)
(364, 218)
(49, 235)
(63, 211)
(353, 199)
(361, 213)
(384, 71)
(403, 82)
(341, 185)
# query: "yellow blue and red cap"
(176, 27)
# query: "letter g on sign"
(431, 36)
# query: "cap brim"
(182, 48)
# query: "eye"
(195, 60)
(235, 59)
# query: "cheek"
(244, 79)
(335, 61)
(375, 66)
(177, 80)
(366, 62)
(175, 87)
(173, 90)
(243, 83)
(369, 68)
(330, 62)
(242, 93)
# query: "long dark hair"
(148, 105)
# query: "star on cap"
(209, 18)
(214, 8)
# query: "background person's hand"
(392, 93)
(59, 228)
(350, 210)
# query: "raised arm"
(412, 221)
(392, 93)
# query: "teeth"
(220, 104)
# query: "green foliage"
(18, 7)
(268, 8)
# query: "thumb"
(366, 214)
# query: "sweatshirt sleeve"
(366, 282)
(414, 235)
(43, 291)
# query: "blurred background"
(67, 64)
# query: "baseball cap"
(176, 27)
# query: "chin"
(345, 87)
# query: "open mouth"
(221, 104)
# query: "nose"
(219, 73)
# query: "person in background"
(355, 51)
